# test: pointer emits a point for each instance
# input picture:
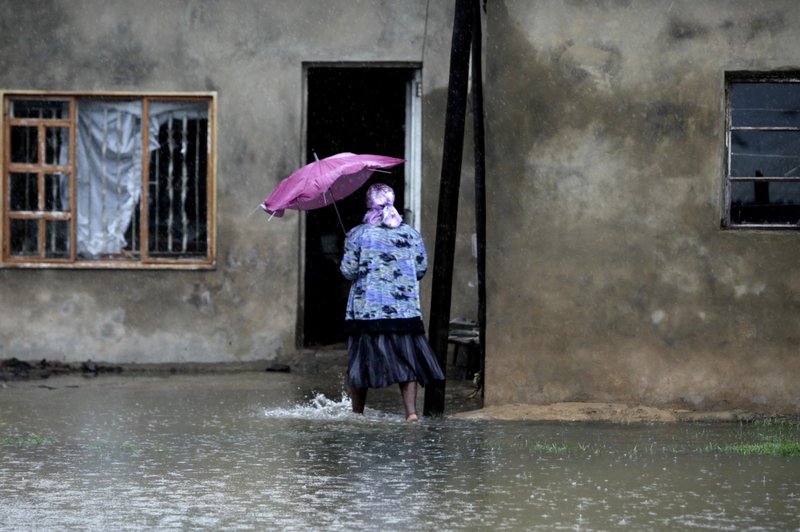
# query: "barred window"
(108, 181)
(762, 184)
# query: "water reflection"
(271, 451)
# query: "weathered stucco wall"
(251, 53)
(609, 275)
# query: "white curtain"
(109, 166)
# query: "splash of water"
(324, 408)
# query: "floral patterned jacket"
(385, 266)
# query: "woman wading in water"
(385, 259)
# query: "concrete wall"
(609, 275)
(251, 53)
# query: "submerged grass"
(31, 440)
(764, 437)
(557, 448)
(785, 448)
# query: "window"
(762, 185)
(108, 181)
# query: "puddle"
(283, 451)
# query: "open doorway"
(359, 109)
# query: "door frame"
(412, 168)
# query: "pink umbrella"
(324, 181)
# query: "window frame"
(144, 261)
(752, 77)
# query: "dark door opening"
(350, 109)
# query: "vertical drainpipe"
(447, 215)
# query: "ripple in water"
(269, 452)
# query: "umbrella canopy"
(322, 182)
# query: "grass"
(557, 448)
(780, 448)
(31, 440)
(775, 447)
(764, 437)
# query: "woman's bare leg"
(358, 396)
(409, 392)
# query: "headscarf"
(380, 202)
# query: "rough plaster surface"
(609, 276)
(251, 53)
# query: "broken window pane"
(24, 144)
(109, 176)
(24, 238)
(24, 191)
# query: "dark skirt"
(378, 360)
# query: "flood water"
(281, 451)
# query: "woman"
(385, 259)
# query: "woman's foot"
(358, 397)
(409, 392)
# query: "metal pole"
(448, 197)
(480, 185)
